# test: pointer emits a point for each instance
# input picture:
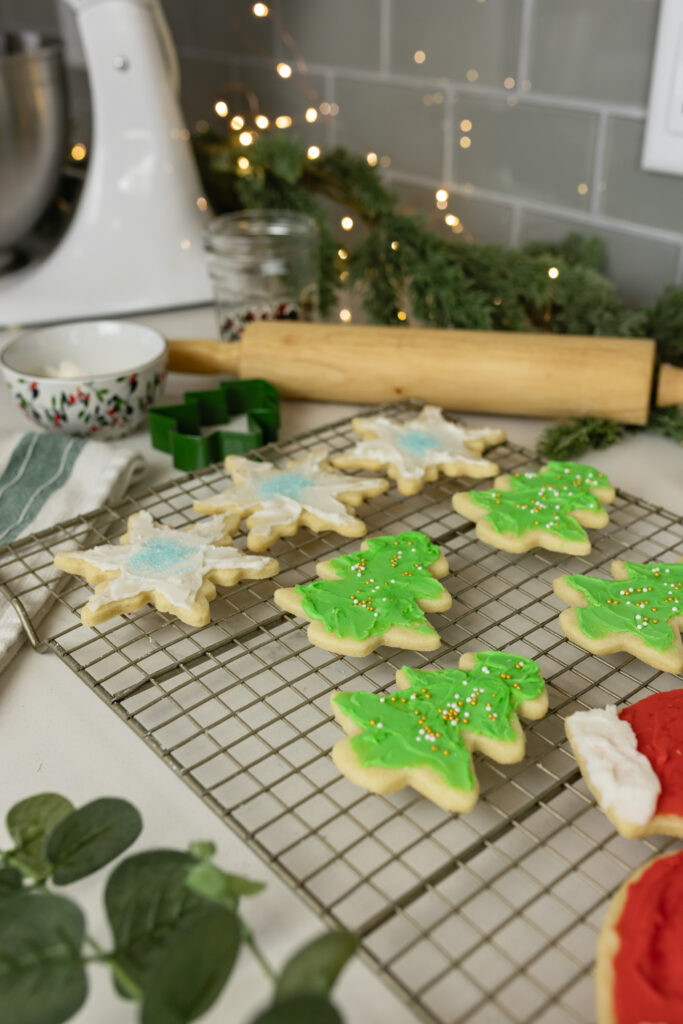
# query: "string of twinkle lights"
(400, 269)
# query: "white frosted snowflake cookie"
(277, 501)
(175, 570)
(415, 452)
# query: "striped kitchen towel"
(45, 479)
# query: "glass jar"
(264, 266)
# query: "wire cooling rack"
(490, 916)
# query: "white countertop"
(56, 735)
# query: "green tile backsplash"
(530, 112)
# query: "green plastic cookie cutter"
(184, 431)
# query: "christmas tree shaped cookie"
(175, 570)
(418, 450)
(306, 492)
(547, 509)
(378, 595)
(639, 611)
(423, 735)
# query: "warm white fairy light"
(246, 138)
(372, 159)
(419, 56)
(243, 163)
(344, 274)
(472, 75)
(261, 121)
(401, 315)
(465, 142)
(451, 219)
(237, 123)
(313, 152)
(509, 82)
(345, 315)
(385, 161)
(283, 70)
(342, 254)
(221, 108)
(324, 108)
(346, 223)
(553, 272)
(334, 109)
(79, 151)
(582, 189)
(311, 115)
(186, 243)
(201, 203)
(395, 246)
(260, 10)
(441, 195)
(283, 121)
(465, 125)
(442, 205)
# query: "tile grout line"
(330, 96)
(524, 43)
(384, 36)
(448, 135)
(538, 206)
(369, 75)
(599, 163)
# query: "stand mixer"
(134, 242)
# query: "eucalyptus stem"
(129, 986)
(249, 940)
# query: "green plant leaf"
(202, 849)
(314, 969)
(92, 836)
(300, 1010)
(10, 882)
(219, 886)
(147, 900)
(42, 980)
(192, 968)
(30, 823)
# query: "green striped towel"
(45, 479)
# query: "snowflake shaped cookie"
(276, 501)
(416, 451)
(175, 570)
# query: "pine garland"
(401, 265)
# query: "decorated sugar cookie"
(175, 570)
(416, 451)
(276, 502)
(424, 734)
(632, 760)
(639, 611)
(547, 509)
(378, 595)
(639, 971)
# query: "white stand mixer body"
(134, 243)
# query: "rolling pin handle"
(669, 386)
(190, 355)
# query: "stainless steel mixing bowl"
(33, 129)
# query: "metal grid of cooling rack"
(486, 917)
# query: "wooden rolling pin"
(472, 371)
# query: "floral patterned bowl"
(93, 378)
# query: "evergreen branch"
(668, 422)
(573, 437)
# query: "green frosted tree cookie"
(423, 735)
(639, 611)
(547, 509)
(378, 595)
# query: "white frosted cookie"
(277, 501)
(175, 570)
(416, 451)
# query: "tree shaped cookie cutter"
(184, 431)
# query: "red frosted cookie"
(632, 761)
(639, 975)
